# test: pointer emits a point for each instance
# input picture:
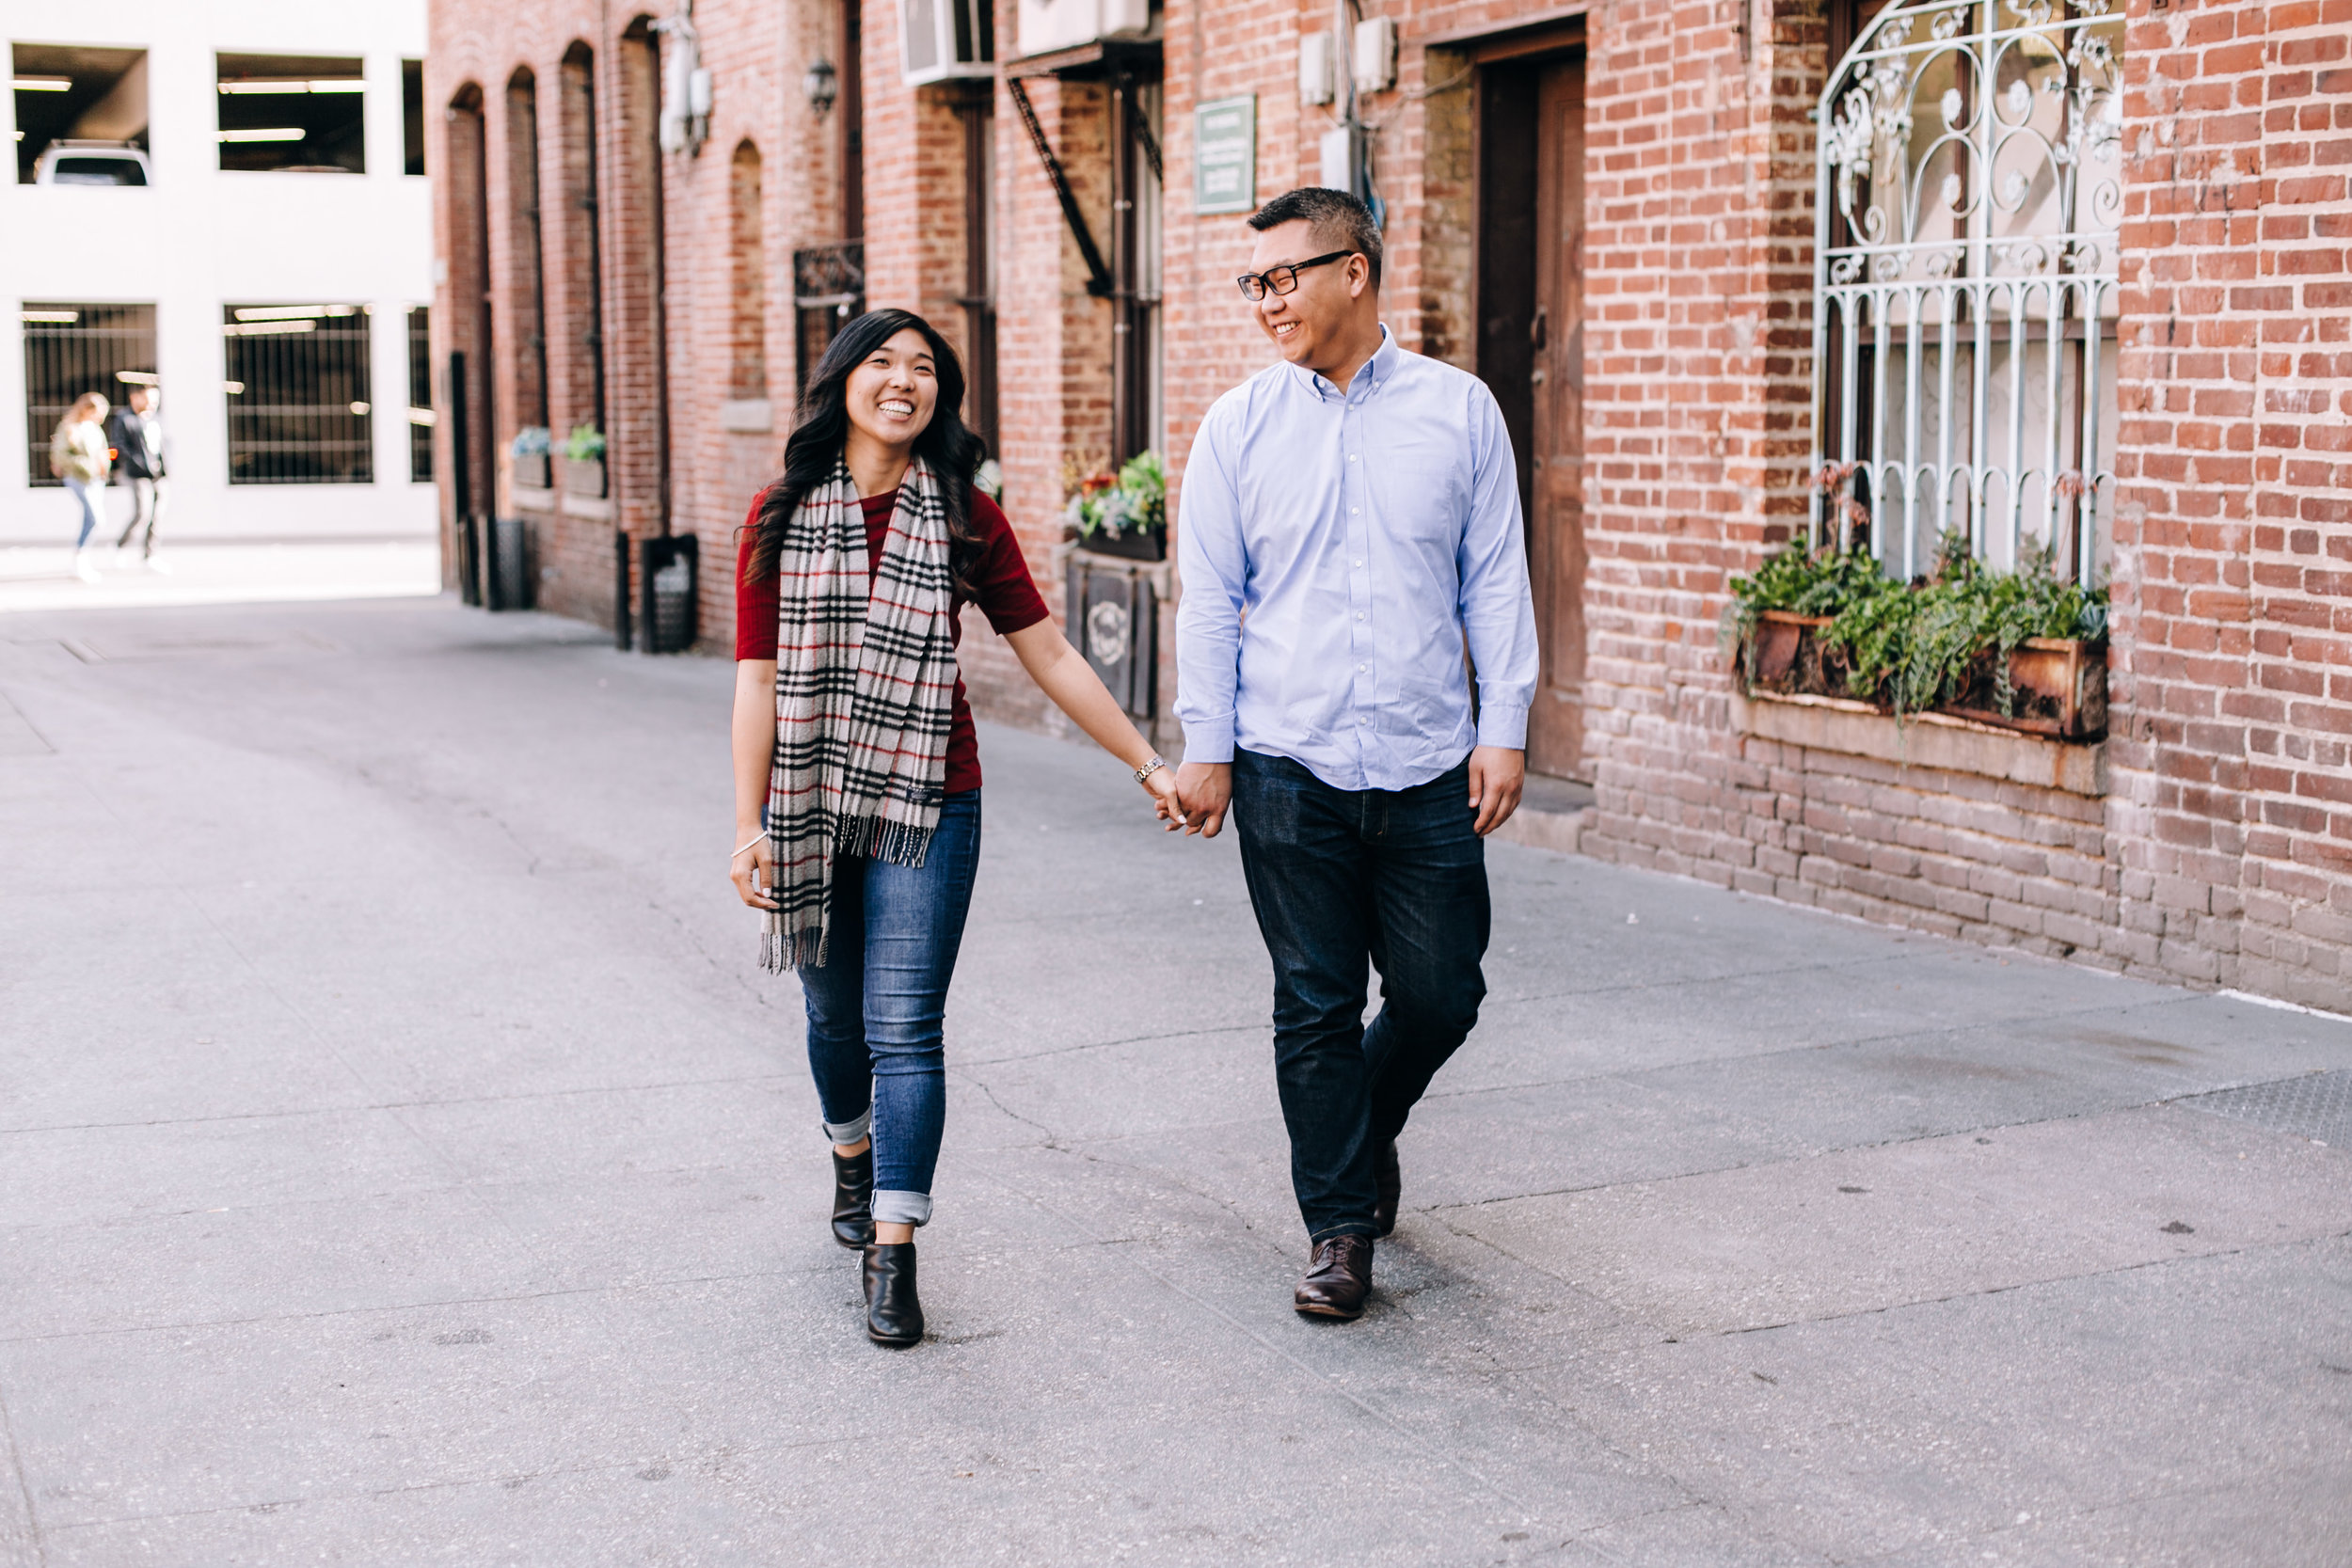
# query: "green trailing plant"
(1919, 645)
(585, 444)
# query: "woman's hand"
(1161, 782)
(753, 869)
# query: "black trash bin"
(668, 574)
(507, 582)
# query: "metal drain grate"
(2315, 1106)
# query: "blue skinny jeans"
(91, 496)
(877, 1008)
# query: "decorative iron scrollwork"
(1968, 200)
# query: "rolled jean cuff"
(1365, 1229)
(901, 1208)
(850, 1132)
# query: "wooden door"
(1532, 354)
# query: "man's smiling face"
(1309, 324)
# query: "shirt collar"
(1376, 371)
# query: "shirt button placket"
(1352, 496)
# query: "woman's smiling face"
(891, 395)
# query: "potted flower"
(583, 461)
(529, 449)
(1123, 514)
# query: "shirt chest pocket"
(1418, 472)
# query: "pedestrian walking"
(78, 455)
(857, 771)
(136, 435)
(1350, 525)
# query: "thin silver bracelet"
(740, 847)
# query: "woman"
(857, 777)
(78, 454)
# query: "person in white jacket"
(78, 454)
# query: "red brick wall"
(2232, 811)
(1697, 289)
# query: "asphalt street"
(406, 1162)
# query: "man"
(136, 435)
(1350, 525)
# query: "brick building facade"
(1608, 209)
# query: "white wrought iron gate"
(1969, 191)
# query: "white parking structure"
(226, 202)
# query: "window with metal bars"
(1965, 286)
(73, 349)
(298, 390)
(421, 394)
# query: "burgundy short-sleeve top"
(1003, 592)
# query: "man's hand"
(1206, 789)
(1497, 774)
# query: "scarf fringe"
(803, 949)
(875, 838)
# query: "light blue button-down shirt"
(1339, 550)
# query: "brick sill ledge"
(1924, 741)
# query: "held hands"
(1205, 790)
(1167, 798)
(1497, 774)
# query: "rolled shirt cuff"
(1210, 740)
(892, 1207)
(1502, 724)
(850, 1132)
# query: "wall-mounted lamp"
(820, 84)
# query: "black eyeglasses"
(1255, 286)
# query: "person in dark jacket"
(136, 435)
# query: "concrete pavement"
(45, 576)
(407, 1164)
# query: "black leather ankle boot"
(893, 1315)
(854, 1199)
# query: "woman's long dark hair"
(821, 427)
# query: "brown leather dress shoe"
(1389, 1181)
(1339, 1277)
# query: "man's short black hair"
(1340, 221)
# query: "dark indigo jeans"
(876, 1009)
(1341, 878)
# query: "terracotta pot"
(1779, 640)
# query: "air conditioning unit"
(1050, 25)
(940, 40)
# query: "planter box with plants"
(1123, 514)
(2021, 650)
(529, 449)
(584, 462)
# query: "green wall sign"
(1225, 155)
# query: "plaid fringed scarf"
(866, 676)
